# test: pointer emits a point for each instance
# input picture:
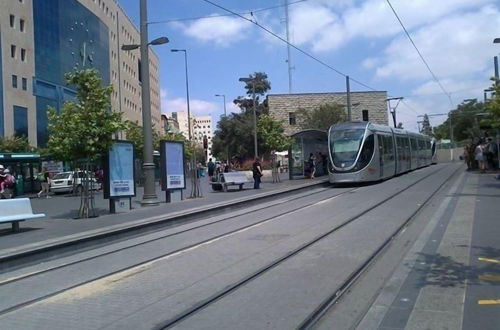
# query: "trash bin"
(19, 185)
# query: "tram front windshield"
(344, 146)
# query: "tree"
(84, 129)
(272, 133)
(235, 132)
(493, 106)
(15, 144)
(426, 126)
(464, 122)
(321, 117)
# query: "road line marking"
(489, 302)
(489, 277)
(489, 260)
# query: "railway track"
(270, 205)
(314, 199)
(325, 305)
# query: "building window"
(24, 84)
(20, 121)
(365, 115)
(23, 54)
(12, 20)
(14, 81)
(21, 25)
(291, 119)
(13, 51)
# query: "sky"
(362, 39)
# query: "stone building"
(367, 106)
(41, 40)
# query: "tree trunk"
(87, 209)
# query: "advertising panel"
(172, 165)
(120, 170)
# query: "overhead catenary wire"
(419, 53)
(290, 44)
(222, 15)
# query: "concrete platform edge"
(9, 254)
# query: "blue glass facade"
(68, 36)
(20, 121)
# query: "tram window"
(366, 152)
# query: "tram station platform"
(450, 277)
(61, 225)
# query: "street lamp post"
(225, 116)
(223, 96)
(195, 187)
(247, 80)
(149, 197)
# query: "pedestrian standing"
(257, 173)
(312, 165)
(479, 156)
(211, 169)
(44, 178)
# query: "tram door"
(387, 155)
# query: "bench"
(224, 180)
(16, 210)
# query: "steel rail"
(267, 219)
(233, 287)
(329, 302)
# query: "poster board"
(172, 165)
(119, 179)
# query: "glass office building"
(42, 40)
(67, 37)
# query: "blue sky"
(360, 38)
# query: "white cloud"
(220, 30)
(454, 46)
(171, 104)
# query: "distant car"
(65, 182)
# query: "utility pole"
(289, 59)
(393, 109)
(149, 198)
(349, 106)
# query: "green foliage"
(235, 132)
(465, 122)
(426, 126)
(272, 133)
(84, 129)
(493, 106)
(321, 117)
(15, 144)
(262, 86)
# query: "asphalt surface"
(269, 266)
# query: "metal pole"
(451, 138)
(348, 87)
(149, 198)
(254, 120)
(495, 63)
(289, 58)
(224, 97)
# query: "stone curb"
(60, 242)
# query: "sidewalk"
(450, 277)
(60, 224)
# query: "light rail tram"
(364, 152)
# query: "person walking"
(312, 165)
(44, 178)
(257, 173)
(211, 169)
(479, 156)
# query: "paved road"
(188, 265)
